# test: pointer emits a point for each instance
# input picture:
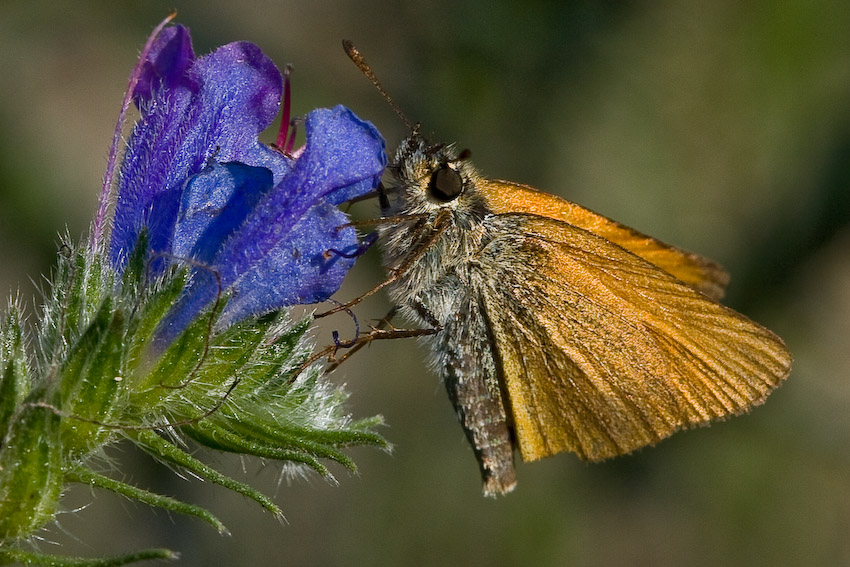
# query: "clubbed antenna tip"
(364, 67)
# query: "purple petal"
(106, 199)
(169, 58)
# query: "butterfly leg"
(379, 332)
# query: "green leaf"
(96, 379)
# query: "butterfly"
(556, 329)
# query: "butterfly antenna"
(358, 60)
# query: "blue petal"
(301, 268)
(351, 144)
(286, 252)
(214, 204)
(344, 159)
(191, 110)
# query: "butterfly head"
(426, 178)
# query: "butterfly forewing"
(698, 272)
(603, 352)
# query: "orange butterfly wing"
(698, 272)
(603, 352)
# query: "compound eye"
(446, 184)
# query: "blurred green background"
(722, 127)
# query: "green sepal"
(8, 556)
(170, 453)
(279, 402)
(99, 377)
(188, 359)
(283, 351)
(259, 430)
(14, 371)
(77, 290)
(292, 394)
(135, 270)
(84, 476)
(84, 290)
(150, 307)
(218, 437)
(30, 470)
(320, 442)
(91, 382)
(259, 413)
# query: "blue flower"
(202, 210)
(255, 223)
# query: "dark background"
(720, 128)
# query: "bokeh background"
(722, 127)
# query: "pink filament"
(282, 134)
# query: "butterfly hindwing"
(602, 352)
